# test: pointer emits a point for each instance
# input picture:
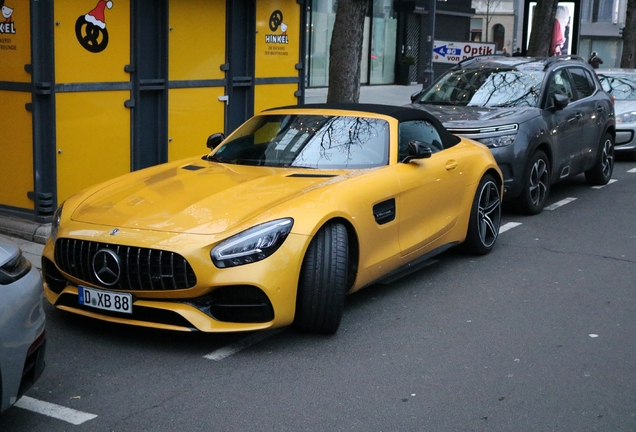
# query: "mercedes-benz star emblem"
(106, 267)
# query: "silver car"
(621, 83)
(22, 322)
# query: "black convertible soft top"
(400, 113)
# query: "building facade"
(92, 89)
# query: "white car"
(22, 322)
(621, 83)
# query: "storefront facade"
(93, 89)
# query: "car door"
(565, 125)
(431, 189)
(593, 115)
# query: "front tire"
(485, 217)
(536, 186)
(601, 172)
(323, 281)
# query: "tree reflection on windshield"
(487, 87)
(309, 141)
(621, 86)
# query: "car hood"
(458, 116)
(199, 197)
(624, 106)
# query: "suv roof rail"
(477, 57)
(554, 59)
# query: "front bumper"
(254, 296)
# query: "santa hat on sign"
(96, 16)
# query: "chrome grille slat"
(142, 268)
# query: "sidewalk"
(31, 236)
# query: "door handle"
(225, 98)
(451, 165)
(600, 108)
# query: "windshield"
(487, 87)
(308, 141)
(621, 86)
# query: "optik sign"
(454, 52)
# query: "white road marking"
(558, 204)
(240, 345)
(633, 170)
(59, 412)
(608, 183)
(508, 226)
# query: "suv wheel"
(537, 184)
(601, 172)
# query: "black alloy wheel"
(537, 184)
(601, 172)
(485, 217)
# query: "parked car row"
(543, 119)
(302, 205)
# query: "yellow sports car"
(296, 208)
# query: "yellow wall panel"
(15, 42)
(193, 115)
(197, 39)
(93, 139)
(277, 38)
(16, 148)
(83, 53)
(274, 95)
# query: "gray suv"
(543, 119)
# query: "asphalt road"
(539, 335)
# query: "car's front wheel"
(323, 281)
(485, 217)
(536, 185)
(601, 172)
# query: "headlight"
(55, 224)
(500, 141)
(628, 117)
(254, 244)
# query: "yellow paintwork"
(16, 146)
(93, 139)
(15, 43)
(190, 211)
(268, 96)
(73, 63)
(197, 40)
(188, 128)
(277, 51)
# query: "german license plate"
(106, 300)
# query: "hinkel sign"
(454, 52)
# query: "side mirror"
(418, 150)
(214, 140)
(560, 101)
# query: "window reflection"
(487, 87)
(310, 141)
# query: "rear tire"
(323, 281)
(536, 186)
(601, 172)
(485, 217)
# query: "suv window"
(582, 82)
(559, 84)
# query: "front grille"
(139, 268)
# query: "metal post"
(428, 23)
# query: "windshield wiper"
(215, 158)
